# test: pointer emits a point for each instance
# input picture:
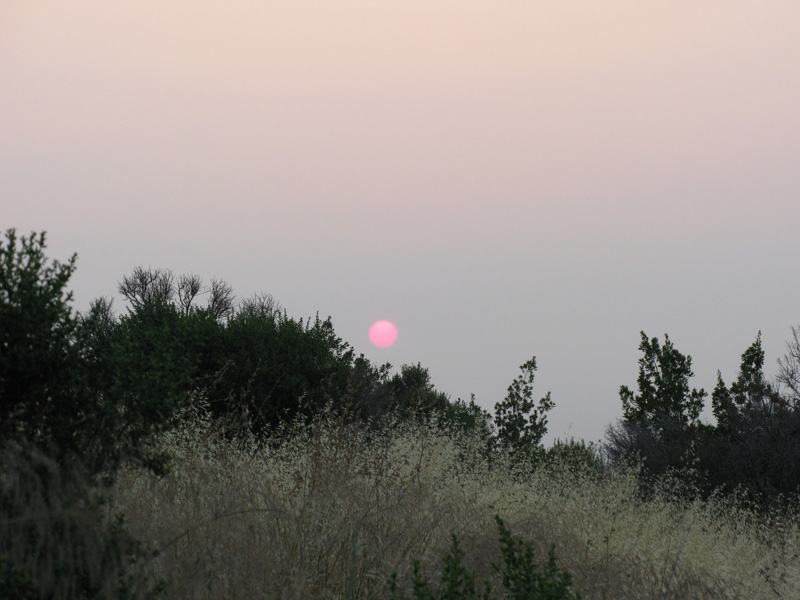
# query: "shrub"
(56, 538)
(574, 456)
(522, 423)
(80, 386)
(663, 387)
(256, 365)
(413, 394)
(40, 399)
(273, 361)
(756, 445)
(468, 417)
(752, 452)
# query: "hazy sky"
(500, 179)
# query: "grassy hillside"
(333, 510)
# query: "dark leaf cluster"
(521, 422)
(103, 386)
(521, 575)
(752, 450)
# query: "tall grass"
(332, 510)
(57, 540)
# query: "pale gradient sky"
(499, 179)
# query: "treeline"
(83, 393)
(103, 386)
(751, 452)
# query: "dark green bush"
(575, 455)
(41, 399)
(663, 393)
(104, 387)
(411, 394)
(752, 451)
(521, 422)
(276, 366)
(82, 387)
(56, 537)
(521, 576)
(255, 365)
(755, 447)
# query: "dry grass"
(331, 511)
(54, 541)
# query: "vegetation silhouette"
(92, 405)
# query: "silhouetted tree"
(754, 447)
(749, 398)
(660, 425)
(145, 287)
(663, 384)
(756, 444)
(521, 422)
(789, 369)
(72, 384)
(39, 362)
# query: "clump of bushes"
(104, 386)
(63, 384)
(752, 452)
(521, 576)
(255, 365)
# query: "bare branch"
(221, 300)
(188, 288)
(146, 286)
(259, 305)
(789, 367)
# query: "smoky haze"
(499, 180)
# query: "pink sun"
(383, 334)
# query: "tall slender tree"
(663, 387)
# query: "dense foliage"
(663, 382)
(39, 385)
(83, 394)
(66, 385)
(752, 450)
(103, 386)
(257, 366)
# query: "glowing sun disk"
(383, 334)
